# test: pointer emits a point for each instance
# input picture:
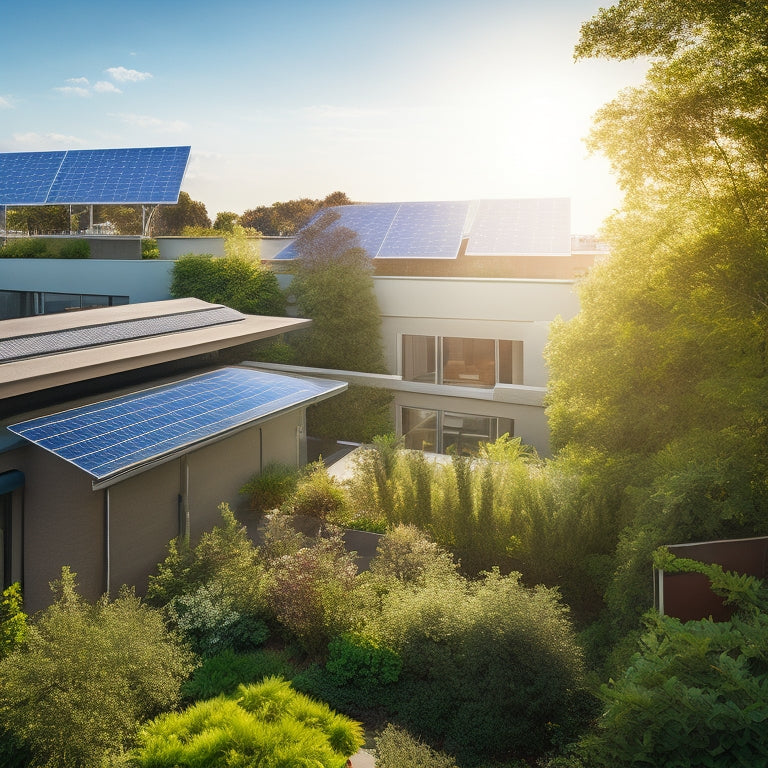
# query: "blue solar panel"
(426, 230)
(371, 222)
(110, 437)
(140, 175)
(26, 177)
(521, 227)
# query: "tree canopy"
(288, 217)
(171, 219)
(660, 383)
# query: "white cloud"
(123, 75)
(155, 124)
(5, 103)
(46, 140)
(78, 80)
(104, 86)
(74, 90)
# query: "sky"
(395, 100)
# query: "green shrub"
(361, 662)
(269, 725)
(149, 248)
(318, 494)
(271, 488)
(87, 676)
(223, 672)
(490, 669)
(311, 593)
(357, 415)
(237, 282)
(406, 554)
(396, 748)
(45, 248)
(74, 249)
(14, 629)
(210, 623)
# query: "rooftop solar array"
(536, 227)
(111, 437)
(400, 230)
(521, 227)
(90, 176)
(35, 345)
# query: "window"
(450, 432)
(5, 540)
(28, 303)
(461, 361)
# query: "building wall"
(171, 248)
(147, 280)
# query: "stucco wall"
(172, 247)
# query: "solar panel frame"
(521, 227)
(143, 175)
(113, 439)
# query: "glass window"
(469, 362)
(463, 432)
(60, 302)
(510, 362)
(420, 429)
(419, 362)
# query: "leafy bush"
(406, 554)
(357, 415)
(149, 248)
(237, 282)
(44, 248)
(86, 677)
(223, 672)
(361, 661)
(490, 668)
(310, 592)
(396, 748)
(318, 494)
(271, 488)
(269, 725)
(210, 623)
(696, 694)
(13, 621)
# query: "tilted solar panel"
(536, 227)
(426, 230)
(26, 177)
(90, 176)
(108, 438)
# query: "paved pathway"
(363, 759)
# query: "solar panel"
(35, 345)
(371, 222)
(90, 176)
(426, 230)
(521, 227)
(107, 438)
(26, 177)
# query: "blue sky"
(395, 100)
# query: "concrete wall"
(172, 247)
(147, 280)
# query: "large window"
(462, 361)
(449, 432)
(28, 303)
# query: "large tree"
(661, 381)
(171, 219)
(288, 217)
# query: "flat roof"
(74, 346)
(116, 438)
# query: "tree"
(287, 218)
(660, 383)
(225, 221)
(87, 676)
(171, 219)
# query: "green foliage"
(396, 748)
(318, 495)
(149, 248)
(225, 554)
(46, 248)
(223, 672)
(14, 628)
(287, 218)
(357, 415)
(209, 621)
(311, 593)
(172, 219)
(490, 668)
(272, 487)
(226, 221)
(361, 662)
(87, 675)
(407, 555)
(268, 725)
(236, 282)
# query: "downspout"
(107, 558)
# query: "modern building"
(467, 292)
(123, 427)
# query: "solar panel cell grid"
(110, 437)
